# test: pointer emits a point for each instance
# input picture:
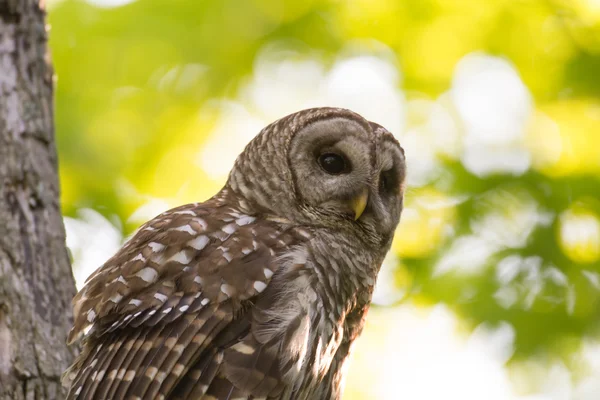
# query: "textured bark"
(36, 283)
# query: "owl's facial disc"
(335, 164)
(332, 165)
(348, 172)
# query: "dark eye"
(388, 181)
(332, 163)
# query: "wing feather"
(162, 309)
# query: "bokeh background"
(492, 290)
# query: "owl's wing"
(168, 302)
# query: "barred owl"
(259, 292)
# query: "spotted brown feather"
(256, 293)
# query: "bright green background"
(135, 103)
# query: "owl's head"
(326, 167)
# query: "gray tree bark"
(36, 283)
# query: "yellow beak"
(359, 203)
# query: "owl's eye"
(333, 163)
(388, 181)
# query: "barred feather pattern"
(253, 294)
(185, 318)
(180, 279)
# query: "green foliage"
(134, 103)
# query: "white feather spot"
(78, 391)
(183, 308)
(304, 233)
(201, 222)
(151, 313)
(147, 274)
(181, 257)
(91, 316)
(245, 220)
(198, 280)
(246, 250)
(167, 310)
(160, 297)
(116, 298)
(100, 375)
(186, 228)
(87, 330)
(139, 257)
(268, 273)
(184, 212)
(227, 289)
(259, 286)
(129, 375)
(205, 301)
(229, 228)
(156, 247)
(135, 302)
(198, 242)
(227, 256)
(243, 348)
(121, 279)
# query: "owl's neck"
(337, 278)
(344, 270)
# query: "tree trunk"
(36, 283)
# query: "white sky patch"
(554, 381)
(419, 354)
(148, 210)
(580, 230)
(283, 83)
(509, 217)
(92, 240)
(369, 86)
(468, 255)
(234, 129)
(495, 107)
(444, 127)
(482, 161)
(591, 355)
(507, 269)
(421, 156)
(522, 280)
(386, 290)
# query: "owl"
(258, 292)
